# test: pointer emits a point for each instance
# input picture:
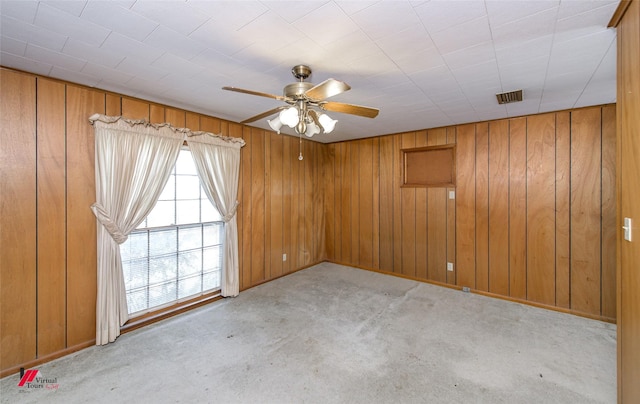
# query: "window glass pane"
(136, 273)
(163, 241)
(169, 191)
(185, 164)
(187, 187)
(212, 258)
(209, 213)
(212, 233)
(176, 252)
(189, 286)
(189, 238)
(211, 280)
(137, 300)
(190, 263)
(162, 294)
(163, 214)
(162, 269)
(135, 247)
(188, 212)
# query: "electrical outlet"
(452, 194)
(466, 289)
(284, 257)
(450, 266)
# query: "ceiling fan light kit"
(305, 100)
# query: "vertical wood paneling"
(328, 185)
(628, 181)
(499, 207)
(210, 124)
(51, 217)
(275, 211)
(192, 121)
(308, 206)
(466, 206)
(135, 109)
(518, 208)
(423, 211)
(81, 223)
(375, 225)
(397, 204)
(157, 113)
(365, 208)
(541, 208)
(386, 203)
(586, 154)
(247, 223)
(113, 105)
(408, 207)
(257, 207)
(287, 180)
(482, 206)
(451, 219)
(18, 218)
(354, 163)
(437, 219)
(608, 211)
(345, 194)
(57, 274)
(563, 199)
(175, 117)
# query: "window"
(176, 252)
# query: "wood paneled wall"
(48, 260)
(533, 217)
(628, 165)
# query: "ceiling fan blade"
(251, 92)
(367, 112)
(326, 89)
(264, 114)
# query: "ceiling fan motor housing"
(296, 90)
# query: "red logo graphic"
(28, 377)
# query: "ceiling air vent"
(512, 96)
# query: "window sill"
(169, 311)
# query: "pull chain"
(300, 156)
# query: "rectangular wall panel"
(52, 220)
(18, 218)
(586, 188)
(386, 203)
(541, 139)
(499, 207)
(466, 206)
(518, 208)
(81, 223)
(437, 219)
(563, 200)
(482, 206)
(408, 207)
(365, 208)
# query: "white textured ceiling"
(424, 64)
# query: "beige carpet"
(334, 334)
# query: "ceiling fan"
(305, 102)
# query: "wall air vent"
(511, 96)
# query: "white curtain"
(217, 161)
(133, 162)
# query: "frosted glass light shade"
(275, 124)
(312, 129)
(289, 117)
(327, 123)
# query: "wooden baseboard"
(46, 358)
(483, 293)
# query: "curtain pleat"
(218, 167)
(133, 163)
